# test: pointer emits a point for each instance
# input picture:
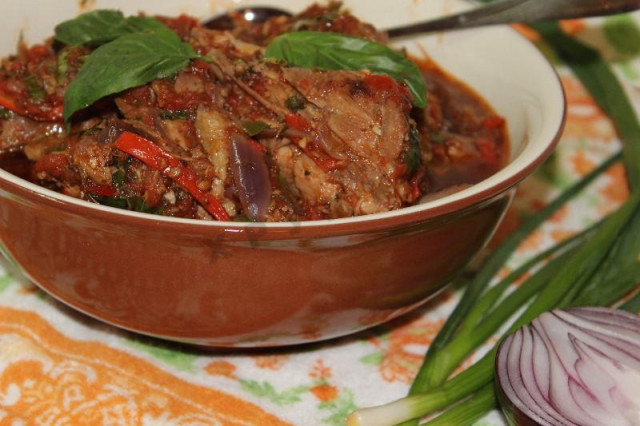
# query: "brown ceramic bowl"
(243, 284)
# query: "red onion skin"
(519, 410)
(251, 176)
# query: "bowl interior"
(500, 65)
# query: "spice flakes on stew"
(232, 136)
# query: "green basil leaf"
(129, 61)
(102, 26)
(332, 51)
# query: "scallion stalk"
(430, 374)
(611, 255)
(603, 85)
(632, 305)
(468, 411)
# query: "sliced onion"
(575, 367)
(250, 175)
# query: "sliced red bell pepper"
(155, 157)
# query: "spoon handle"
(511, 11)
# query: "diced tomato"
(386, 85)
(101, 190)
(37, 53)
(415, 181)
(487, 149)
(493, 122)
(298, 122)
(320, 157)
(53, 164)
(312, 212)
(400, 171)
(20, 104)
(380, 82)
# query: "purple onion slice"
(575, 367)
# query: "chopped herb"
(295, 102)
(412, 156)
(5, 114)
(35, 90)
(118, 177)
(282, 182)
(63, 66)
(436, 137)
(174, 115)
(134, 203)
(254, 127)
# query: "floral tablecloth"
(58, 367)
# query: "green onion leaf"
(603, 85)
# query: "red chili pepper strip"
(155, 157)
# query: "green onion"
(430, 374)
(608, 253)
(632, 305)
(599, 79)
(469, 411)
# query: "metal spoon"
(501, 12)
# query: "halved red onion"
(574, 367)
(250, 175)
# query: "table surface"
(60, 367)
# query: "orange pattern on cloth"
(48, 378)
